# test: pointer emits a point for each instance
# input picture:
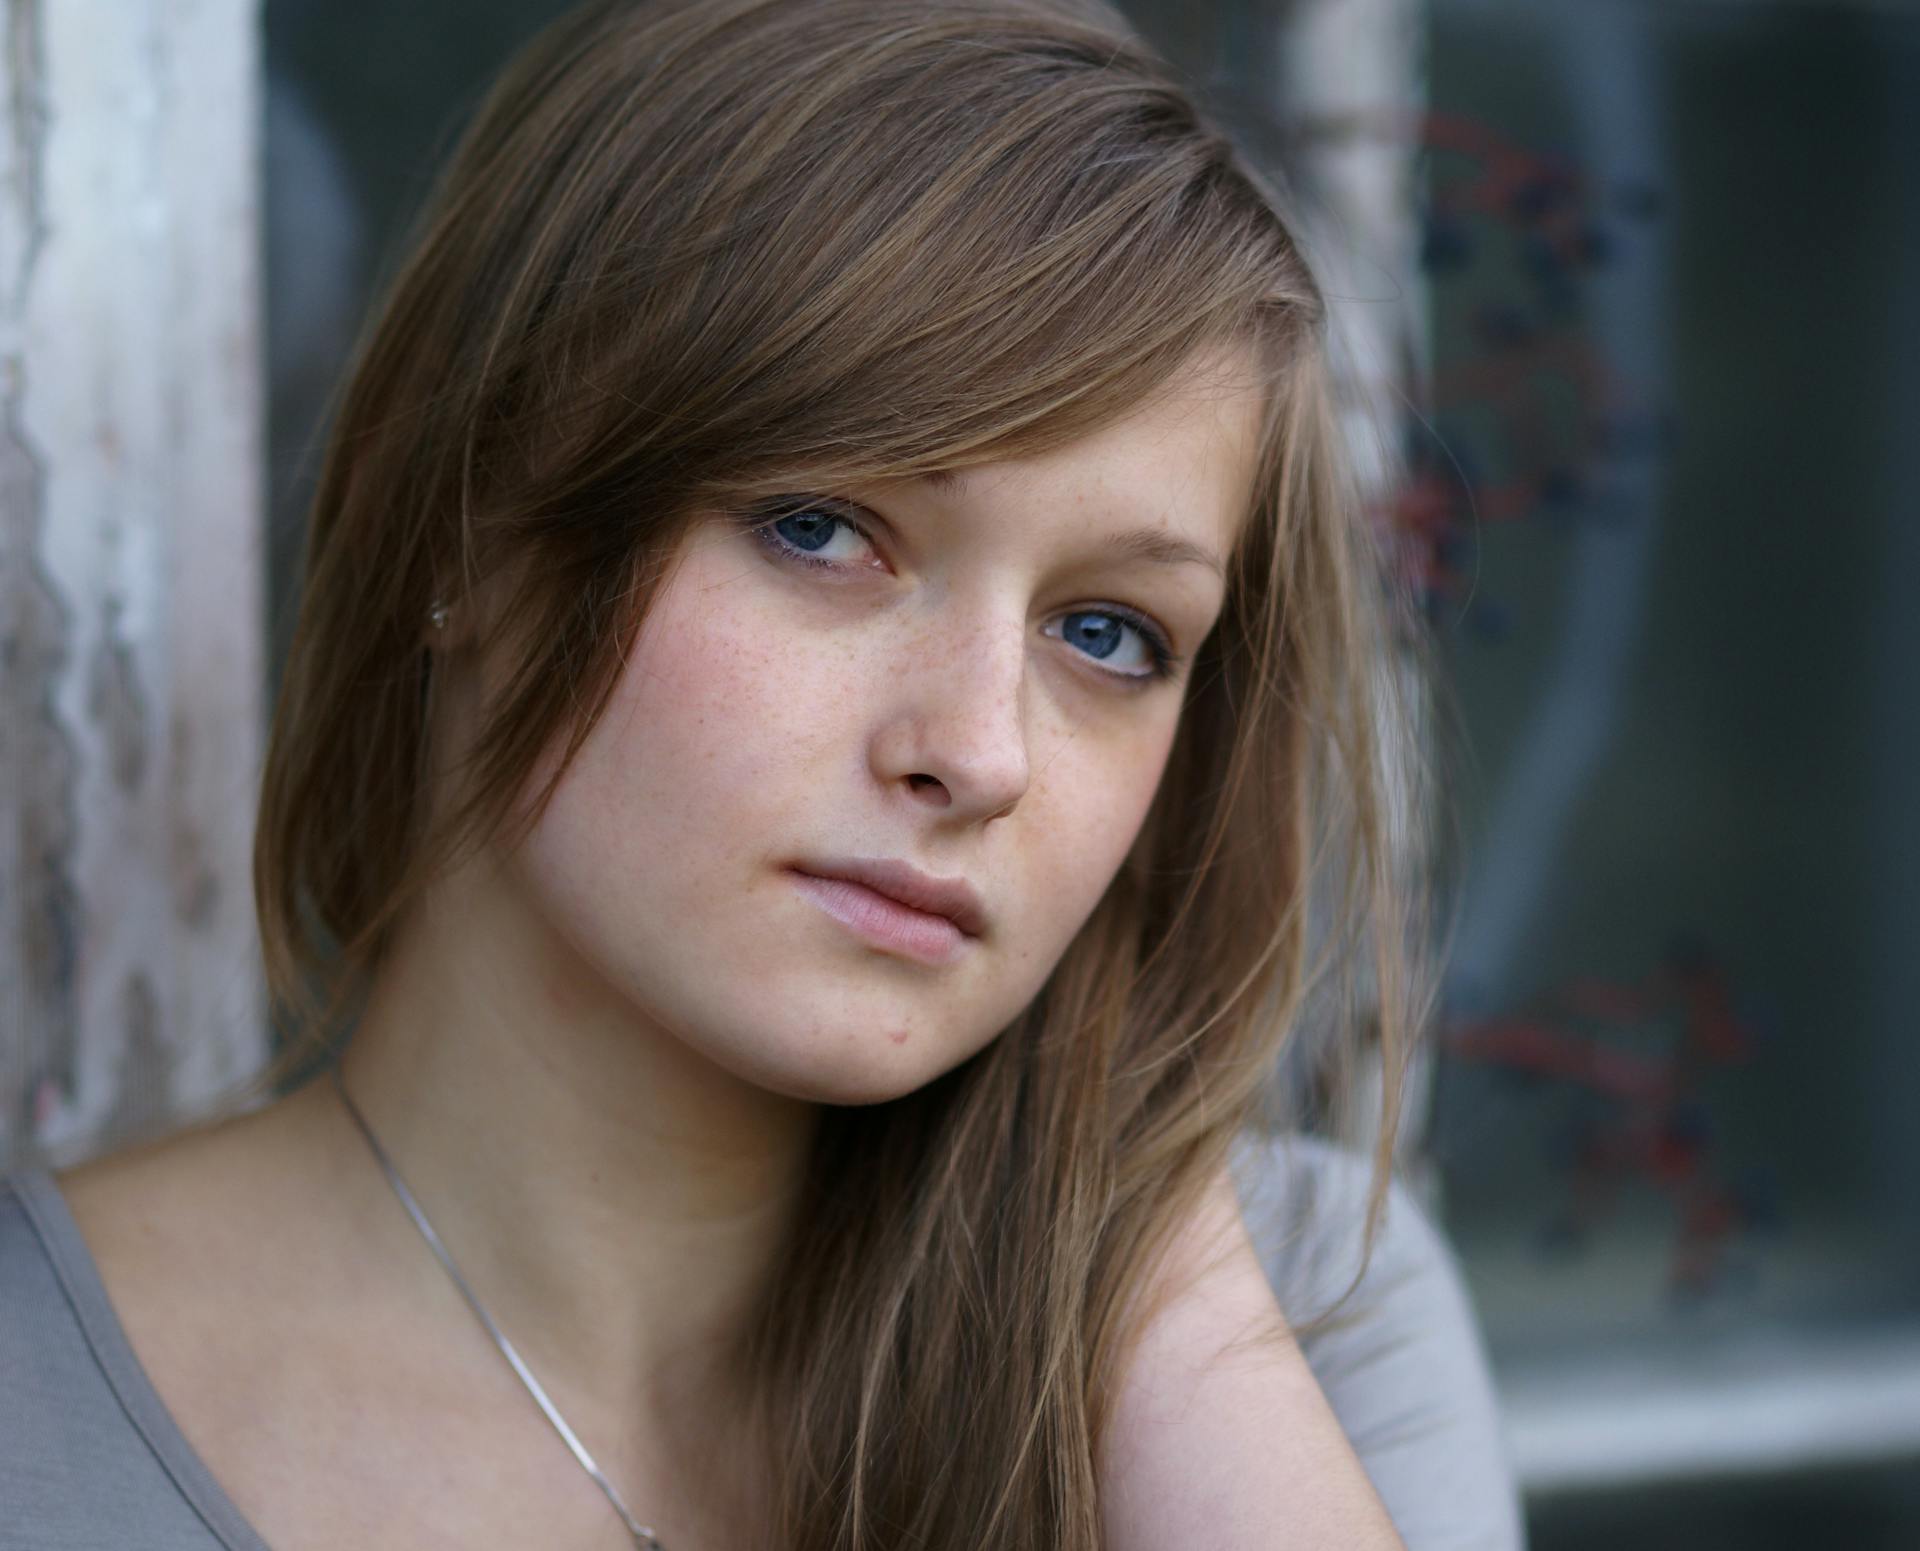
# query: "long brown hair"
(692, 253)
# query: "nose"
(954, 733)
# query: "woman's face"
(958, 680)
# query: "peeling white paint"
(130, 330)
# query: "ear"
(475, 604)
(447, 623)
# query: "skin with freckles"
(920, 696)
(597, 1060)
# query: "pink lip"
(905, 884)
(884, 922)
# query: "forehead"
(1169, 481)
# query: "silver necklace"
(643, 1537)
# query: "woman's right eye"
(805, 531)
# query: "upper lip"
(953, 898)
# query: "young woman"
(835, 642)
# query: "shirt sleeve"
(1402, 1361)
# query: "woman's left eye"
(803, 533)
(1099, 632)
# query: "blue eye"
(805, 531)
(800, 529)
(1103, 636)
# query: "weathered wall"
(131, 659)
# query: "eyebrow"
(1153, 544)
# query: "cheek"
(702, 745)
(1086, 810)
(730, 744)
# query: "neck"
(613, 1198)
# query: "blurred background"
(1630, 321)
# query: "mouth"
(884, 922)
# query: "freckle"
(898, 1036)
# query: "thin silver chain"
(643, 1537)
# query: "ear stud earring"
(437, 615)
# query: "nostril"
(931, 786)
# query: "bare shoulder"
(216, 1250)
(188, 1206)
(322, 1405)
(191, 1237)
(1221, 1436)
(143, 1210)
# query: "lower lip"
(884, 922)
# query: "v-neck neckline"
(79, 1276)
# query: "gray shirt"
(91, 1457)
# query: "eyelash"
(760, 521)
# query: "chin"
(849, 1070)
